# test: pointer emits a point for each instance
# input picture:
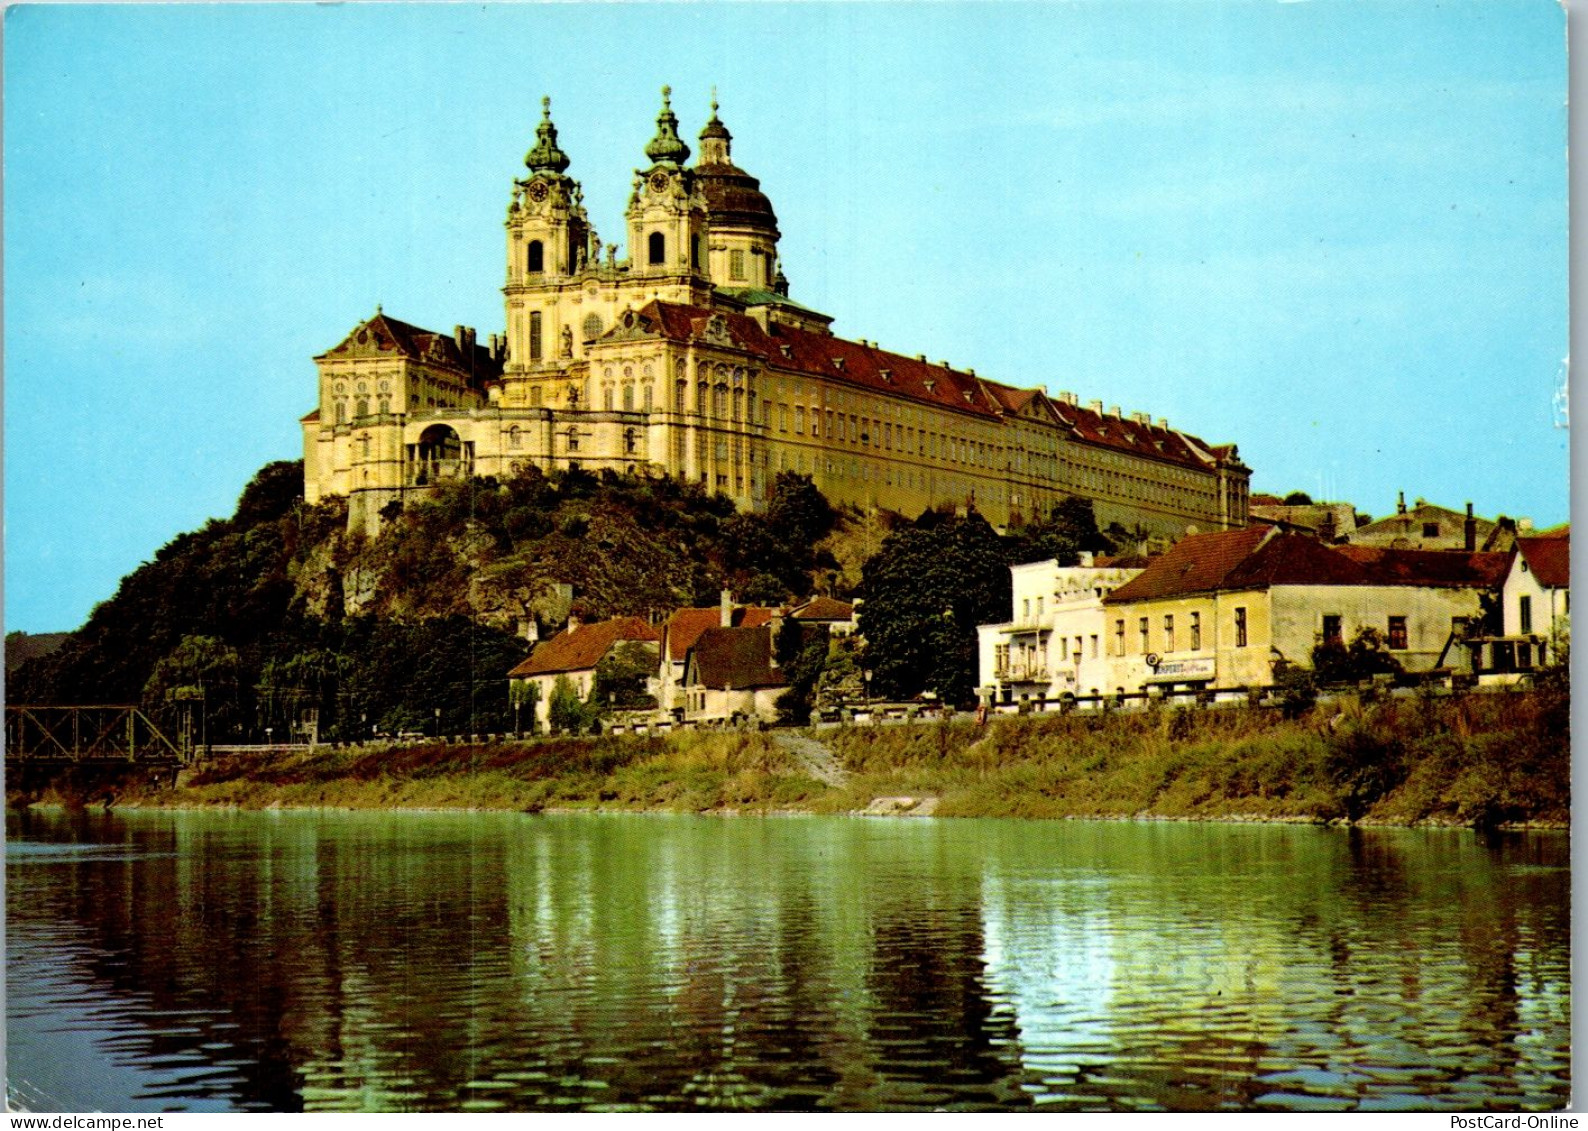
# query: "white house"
(573, 655)
(1054, 644)
(1536, 597)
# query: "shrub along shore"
(1478, 760)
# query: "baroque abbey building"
(688, 357)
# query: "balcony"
(1021, 673)
(422, 473)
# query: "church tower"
(667, 216)
(742, 226)
(548, 240)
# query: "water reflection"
(500, 962)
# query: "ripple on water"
(630, 965)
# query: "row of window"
(1169, 642)
(1396, 635)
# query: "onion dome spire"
(547, 156)
(667, 148)
(715, 128)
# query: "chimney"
(1469, 532)
(573, 623)
(726, 605)
(1087, 559)
(774, 629)
(1114, 412)
(1400, 503)
(1095, 406)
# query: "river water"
(217, 961)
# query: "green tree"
(568, 713)
(1069, 531)
(1367, 655)
(621, 677)
(801, 651)
(524, 698)
(925, 592)
(202, 669)
(1298, 499)
(798, 514)
(273, 492)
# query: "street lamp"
(865, 675)
(438, 722)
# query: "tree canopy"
(926, 590)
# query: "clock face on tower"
(537, 191)
(658, 182)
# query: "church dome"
(732, 195)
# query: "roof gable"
(583, 647)
(684, 627)
(1198, 563)
(1549, 558)
(739, 659)
(384, 336)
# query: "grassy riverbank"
(1480, 760)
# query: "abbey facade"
(688, 357)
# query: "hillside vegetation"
(1481, 760)
(250, 626)
(256, 620)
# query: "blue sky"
(1332, 232)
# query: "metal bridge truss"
(98, 734)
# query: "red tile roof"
(1549, 558)
(866, 366)
(684, 627)
(1198, 563)
(824, 608)
(1262, 556)
(738, 658)
(581, 649)
(384, 334)
(1446, 568)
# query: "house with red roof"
(838, 617)
(732, 674)
(678, 635)
(1231, 609)
(573, 655)
(1535, 602)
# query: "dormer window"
(887, 375)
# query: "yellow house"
(1229, 610)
